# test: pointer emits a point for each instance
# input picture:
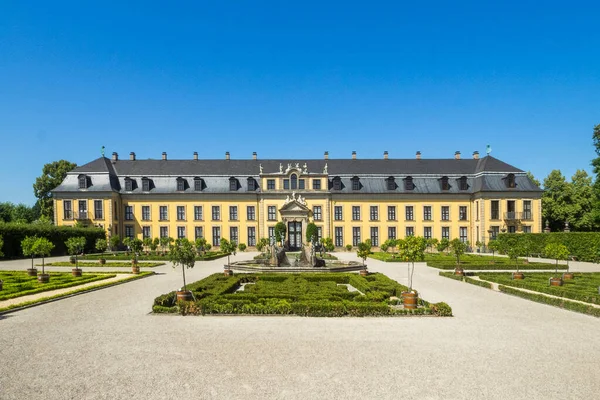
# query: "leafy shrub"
(582, 245)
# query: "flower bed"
(310, 294)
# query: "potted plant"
(363, 251)
(412, 250)
(431, 244)
(27, 247)
(182, 253)
(568, 275)
(165, 242)
(513, 249)
(136, 246)
(115, 240)
(154, 245)
(478, 244)
(75, 246)
(201, 246)
(101, 246)
(43, 247)
(556, 251)
(242, 247)
(443, 245)
(229, 248)
(494, 246)
(147, 243)
(348, 247)
(458, 248)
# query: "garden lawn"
(308, 294)
(584, 287)
(18, 283)
(108, 264)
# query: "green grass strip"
(49, 286)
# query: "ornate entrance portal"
(295, 235)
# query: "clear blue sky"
(293, 79)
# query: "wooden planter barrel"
(32, 271)
(184, 295)
(228, 272)
(518, 275)
(556, 282)
(43, 278)
(102, 261)
(76, 272)
(364, 272)
(135, 268)
(567, 275)
(459, 272)
(409, 299)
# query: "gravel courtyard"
(106, 345)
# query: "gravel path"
(105, 345)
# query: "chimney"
(196, 155)
(254, 155)
(327, 155)
(164, 155)
(354, 155)
(227, 155)
(385, 155)
(132, 156)
(115, 156)
(418, 155)
(457, 155)
(476, 155)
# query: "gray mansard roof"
(483, 175)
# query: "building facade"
(350, 200)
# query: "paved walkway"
(105, 345)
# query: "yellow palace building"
(350, 200)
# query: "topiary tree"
(494, 246)
(228, 247)
(115, 240)
(557, 251)
(328, 244)
(261, 244)
(364, 249)
(43, 247)
(432, 243)
(75, 246)
(136, 247)
(280, 231)
(412, 249)
(349, 247)
(443, 245)
(27, 247)
(165, 242)
(147, 243)
(478, 244)
(154, 245)
(458, 248)
(101, 245)
(200, 244)
(312, 233)
(242, 247)
(182, 253)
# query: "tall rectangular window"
(163, 213)
(526, 228)
(164, 231)
(216, 213)
(129, 231)
(445, 213)
(146, 185)
(216, 236)
(98, 211)
(271, 234)
(272, 213)
(286, 184)
(271, 184)
(462, 232)
(375, 236)
(339, 236)
(145, 232)
(374, 213)
(316, 184)
(391, 213)
(301, 184)
(181, 213)
(180, 232)
(198, 232)
(337, 213)
(355, 236)
(356, 213)
(427, 232)
(145, 213)
(319, 233)
(527, 209)
(317, 213)
(233, 213)
(495, 232)
(251, 213)
(477, 210)
(410, 215)
(198, 213)
(233, 234)
(410, 231)
(495, 209)
(427, 213)
(83, 209)
(392, 232)
(462, 213)
(67, 209)
(251, 236)
(129, 213)
(446, 232)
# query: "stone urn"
(518, 275)
(76, 272)
(409, 299)
(184, 295)
(32, 271)
(568, 276)
(556, 281)
(43, 278)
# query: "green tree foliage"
(533, 179)
(27, 247)
(280, 231)
(311, 232)
(18, 213)
(182, 253)
(262, 244)
(432, 243)
(363, 251)
(556, 251)
(136, 247)
(1, 246)
(155, 243)
(200, 244)
(458, 248)
(147, 243)
(494, 246)
(228, 247)
(165, 242)
(412, 249)
(101, 245)
(43, 247)
(114, 241)
(52, 175)
(328, 244)
(443, 245)
(242, 247)
(75, 246)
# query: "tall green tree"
(556, 200)
(52, 175)
(533, 179)
(582, 216)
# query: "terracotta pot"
(76, 271)
(567, 275)
(409, 299)
(135, 269)
(43, 278)
(556, 282)
(518, 275)
(184, 295)
(32, 271)
(459, 272)
(102, 261)
(228, 272)
(364, 272)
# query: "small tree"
(114, 242)
(155, 243)
(458, 249)
(280, 231)
(513, 248)
(147, 243)
(127, 242)
(43, 247)
(432, 243)
(75, 246)
(242, 247)
(494, 246)
(136, 247)
(384, 246)
(443, 245)
(364, 249)
(101, 245)
(182, 253)
(328, 244)
(228, 247)
(312, 232)
(201, 245)
(556, 251)
(348, 247)
(165, 242)
(27, 247)
(478, 244)
(413, 250)
(262, 244)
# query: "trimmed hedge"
(210, 255)
(561, 303)
(97, 264)
(497, 267)
(466, 279)
(14, 233)
(582, 245)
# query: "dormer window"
(251, 184)
(408, 183)
(128, 184)
(294, 181)
(510, 181)
(180, 184)
(391, 183)
(337, 183)
(462, 183)
(198, 183)
(83, 184)
(445, 183)
(145, 184)
(356, 183)
(233, 184)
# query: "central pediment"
(294, 207)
